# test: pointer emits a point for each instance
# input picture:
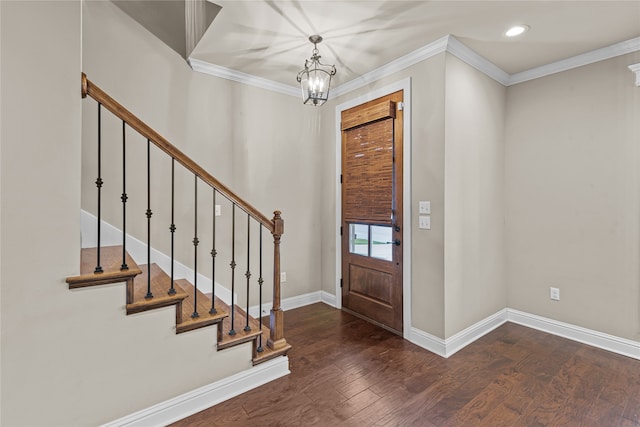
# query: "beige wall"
(473, 194)
(70, 358)
(457, 145)
(538, 187)
(40, 202)
(259, 143)
(570, 193)
(572, 199)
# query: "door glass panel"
(359, 239)
(381, 242)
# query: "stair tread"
(241, 336)
(268, 354)
(110, 261)
(204, 305)
(244, 336)
(160, 284)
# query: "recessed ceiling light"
(516, 30)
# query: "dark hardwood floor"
(345, 371)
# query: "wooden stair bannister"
(276, 343)
(276, 339)
(93, 91)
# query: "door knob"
(397, 242)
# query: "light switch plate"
(424, 222)
(424, 207)
(218, 210)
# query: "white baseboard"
(328, 298)
(187, 404)
(457, 342)
(112, 236)
(590, 337)
(463, 338)
(300, 300)
(451, 345)
(428, 342)
(287, 303)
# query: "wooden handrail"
(88, 88)
(276, 340)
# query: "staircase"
(148, 287)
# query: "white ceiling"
(269, 39)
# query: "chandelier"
(315, 78)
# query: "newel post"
(276, 322)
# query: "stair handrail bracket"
(275, 226)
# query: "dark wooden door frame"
(405, 85)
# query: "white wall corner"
(448, 347)
(328, 298)
(428, 342)
(187, 404)
(636, 69)
(463, 338)
(399, 64)
(477, 61)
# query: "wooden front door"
(372, 211)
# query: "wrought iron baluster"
(99, 183)
(195, 250)
(233, 268)
(149, 213)
(124, 198)
(172, 227)
(247, 328)
(213, 259)
(260, 282)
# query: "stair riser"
(186, 328)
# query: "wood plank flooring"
(346, 372)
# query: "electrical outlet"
(554, 294)
(283, 277)
(218, 210)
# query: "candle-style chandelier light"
(315, 78)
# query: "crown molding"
(636, 69)
(587, 58)
(444, 44)
(477, 61)
(394, 66)
(240, 77)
